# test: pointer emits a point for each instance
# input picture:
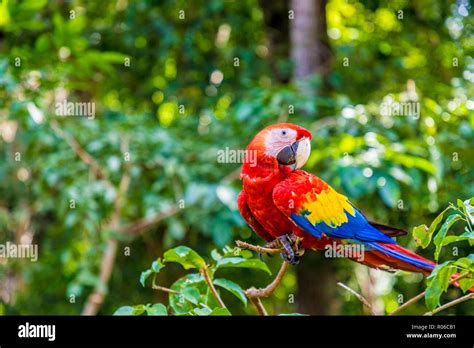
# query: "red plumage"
(266, 210)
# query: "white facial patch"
(278, 139)
(302, 153)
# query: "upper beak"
(296, 153)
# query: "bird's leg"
(291, 243)
(289, 254)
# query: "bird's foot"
(291, 244)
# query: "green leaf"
(453, 239)
(156, 309)
(422, 234)
(438, 239)
(215, 312)
(124, 310)
(215, 255)
(240, 262)
(202, 311)
(468, 208)
(292, 314)
(185, 256)
(220, 312)
(128, 310)
(466, 263)
(32, 5)
(157, 265)
(466, 284)
(191, 294)
(112, 57)
(233, 288)
(178, 303)
(438, 283)
(144, 275)
(463, 206)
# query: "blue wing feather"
(357, 227)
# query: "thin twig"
(258, 248)
(268, 290)
(96, 298)
(359, 297)
(162, 288)
(422, 294)
(255, 294)
(138, 226)
(79, 150)
(208, 280)
(452, 303)
(409, 302)
(259, 306)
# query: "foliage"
(191, 294)
(139, 63)
(438, 281)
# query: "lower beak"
(296, 153)
(287, 156)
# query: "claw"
(289, 254)
(291, 243)
(292, 260)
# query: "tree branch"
(96, 298)
(138, 226)
(452, 303)
(79, 151)
(162, 288)
(270, 288)
(259, 306)
(422, 294)
(258, 248)
(359, 297)
(409, 303)
(208, 280)
(255, 294)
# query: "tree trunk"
(309, 49)
(310, 55)
(275, 14)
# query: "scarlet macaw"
(279, 200)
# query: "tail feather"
(403, 257)
(396, 257)
(388, 230)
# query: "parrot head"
(288, 143)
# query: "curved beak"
(296, 153)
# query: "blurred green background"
(173, 83)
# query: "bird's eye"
(284, 132)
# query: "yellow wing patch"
(328, 206)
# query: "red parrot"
(280, 200)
